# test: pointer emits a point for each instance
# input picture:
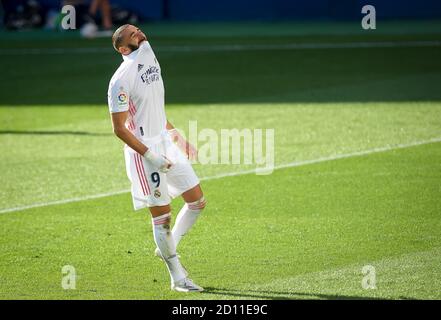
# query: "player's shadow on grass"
(43, 133)
(280, 295)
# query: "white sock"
(186, 219)
(164, 241)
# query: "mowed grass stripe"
(231, 47)
(396, 277)
(231, 174)
(255, 231)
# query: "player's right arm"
(118, 100)
(121, 131)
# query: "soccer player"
(156, 167)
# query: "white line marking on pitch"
(233, 47)
(239, 173)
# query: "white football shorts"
(151, 187)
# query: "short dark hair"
(117, 38)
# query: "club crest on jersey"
(157, 193)
(140, 66)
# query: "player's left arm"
(182, 143)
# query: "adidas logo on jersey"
(140, 66)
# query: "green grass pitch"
(371, 114)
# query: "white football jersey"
(137, 87)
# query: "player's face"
(133, 37)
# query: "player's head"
(127, 38)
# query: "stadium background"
(273, 10)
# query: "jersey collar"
(130, 56)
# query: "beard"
(141, 39)
(134, 47)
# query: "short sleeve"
(118, 96)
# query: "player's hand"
(183, 145)
(191, 151)
(159, 161)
